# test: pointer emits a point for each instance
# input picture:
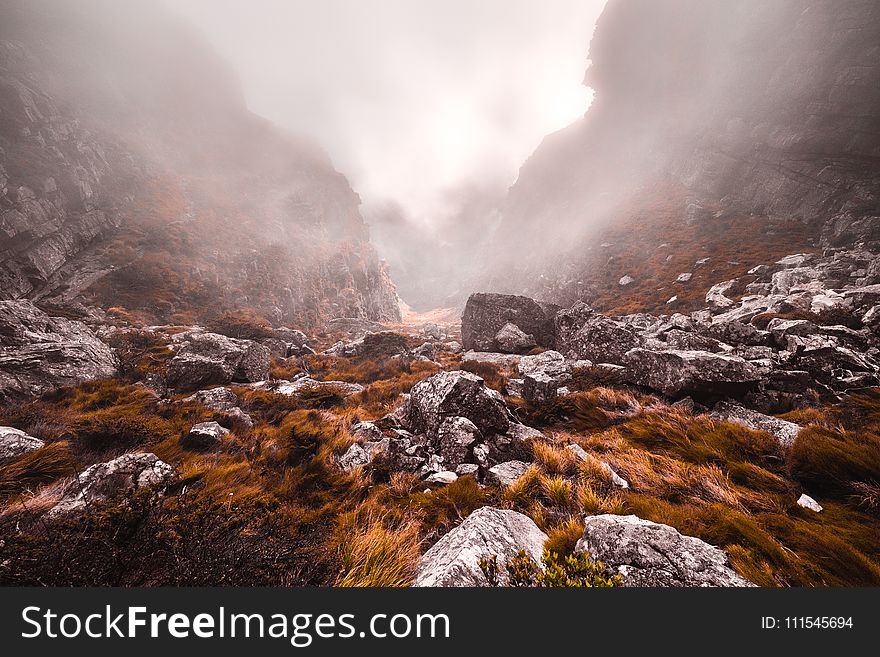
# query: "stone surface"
(455, 394)
(453, 560)
(505, 474)
(512, 340)
(204, 359)
(217, 399)
(113, 480)
(485, 314)
(646, 553)
(39, 353)
(784, 431)
(205, 436)
(695, 373)
(808, 502)
(15, 443)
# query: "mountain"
(728, 131)
(132, 175)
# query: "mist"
(429, 108)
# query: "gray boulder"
(113, 480)
(485, 314)
(217, 399)
(39, 353)
(507, 473)
(584, 334)
(697, 373)
(456, 436)
(512, 340)
(455, 394)
(204, 436)
(454, 559)
(646, 553)
(784, 431)
(204, 359)
(15, 443)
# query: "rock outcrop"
(121, 126)
(646, 553)
(454, 559)
(40, 353)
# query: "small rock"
(626, 280)
(15, 443)
(809, 503)
(444, 477)
(505, 474)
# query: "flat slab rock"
(647, 553)
(453, 560)
(784, 431)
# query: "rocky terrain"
(258, 413)
(712, 119)
(139, 181)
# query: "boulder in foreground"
(646, 553)
(454, 559)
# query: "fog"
(428, 107)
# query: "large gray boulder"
(39, 353)
(698, 373)
(454, 559)
(585, 334)
(646, 553)
(15, 443)
(217, 399)
(486, 314)
(113, 480)
(204, 359)
(455, 394)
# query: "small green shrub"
(571, 570)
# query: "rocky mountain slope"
(132, 173)
(707, 115)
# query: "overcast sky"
(411, 98)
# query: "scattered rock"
(785, 432)
(646, 553)
(203, 359)
(695, 373)
(626, 280)
(505, 474)
(113, 480)
(15, 443)
(454, 559)
(205, 436)
(442, 478)
(455, 394)
(217, 399)
(511, 340)
(809, 503)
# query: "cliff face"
(132, 173)
(758, 108)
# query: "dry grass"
(373, 552)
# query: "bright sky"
(412, 99)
